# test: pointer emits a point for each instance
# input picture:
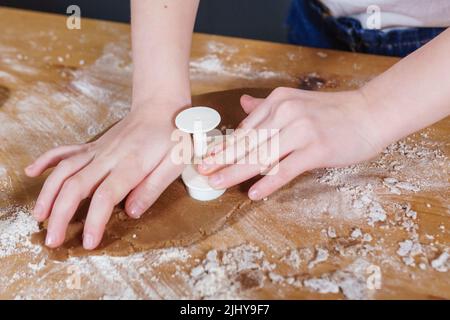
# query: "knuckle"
(281, 110)
(149, 190)
(308, 124)
(307, 127)
(65, 165)
(57, 149)
(89, 147)
(95, 223)
(286, 106)
(322, 153)
(282, 176)
(279, 92)
(136, 161)
(104, 193)
(71, 184)
(269, 185)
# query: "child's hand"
(316, 130)
(131, 160)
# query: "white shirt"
(384, 14)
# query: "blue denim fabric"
(311, 24)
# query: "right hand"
(132, 160)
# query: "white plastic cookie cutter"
(198, 121)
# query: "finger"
(55, 180)
(149, 190)
(217, 146)
(292, 166)
(75, 189)
(257, 162)
(238, 145)
(256, 116)
(250, 103)
(110, 192)
(243, 141)
(260, 113)
(51, 158)
(235, 150)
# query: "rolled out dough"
(175, 218)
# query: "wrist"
(161, 97)
(385, 112)
(160, 105)
(163, 108)
(174, 89)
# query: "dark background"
(256, 19)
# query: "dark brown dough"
(175, 218)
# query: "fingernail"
(88, 241)
(254, 195)
(215, 180)
(50, 240)
(30, 167)
(38, 210)
(135, 210)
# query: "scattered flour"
(351, 281)
(412, 167)
(16, 227)
(169, 255)
(35, 267)
(321, 256)
(322, 285)
(322, 54)
(214, 64)
(441, 263)
(227, 274)
(356, 233)
(296, 257)
(218, 60)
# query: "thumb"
(250, 103)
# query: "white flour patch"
(35, 267)
(228, 274)
(441, 263)
(215, 65)
(221, 48)
(16, 228)
(168, 255)
(218, 60)
(321, 285)
(7, 77)
(351, 281)
(321, 256)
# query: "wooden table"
(60, 86)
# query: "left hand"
(314, 130)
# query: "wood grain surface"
(318, 238)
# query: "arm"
(132, 159)
(414, 93)
(162, 33)
(323, 129)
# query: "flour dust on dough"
(175, 219)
